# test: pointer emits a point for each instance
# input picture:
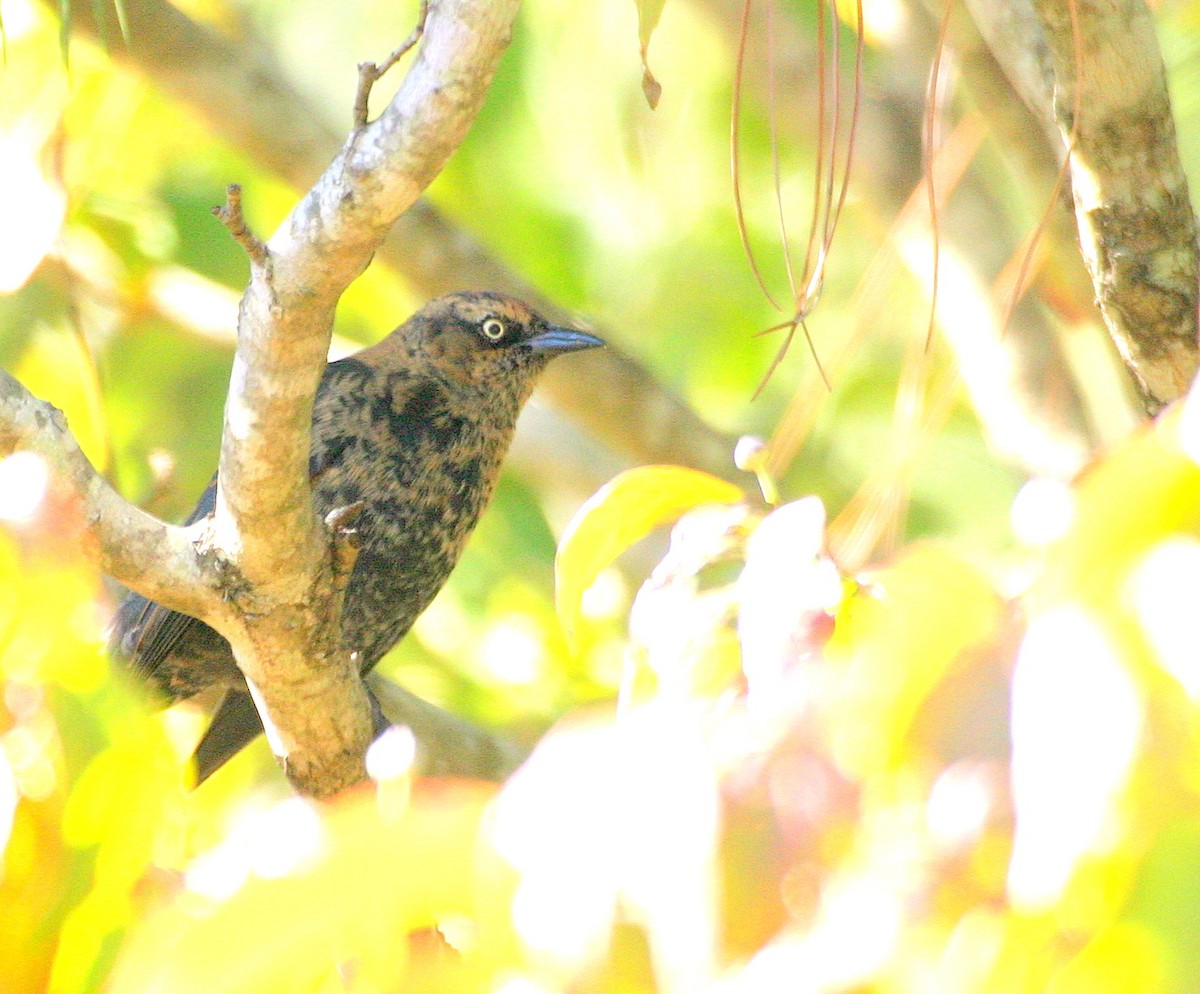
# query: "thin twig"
(931, 110)
(735, 167)
(859, 40)
(824, 64)
(828, 194)
(784, 240)
(369, 73)
(798, 321)
(1063, 171)
(230, 215)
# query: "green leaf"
(623, 511)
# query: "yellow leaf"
(347, 898)
(121, 805)
(623, 511)
(1142, 493)
(896, 640)
(649, 11)
(58, 367)
(1126, 956)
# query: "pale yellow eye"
(493, 329)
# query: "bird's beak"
(555, 340)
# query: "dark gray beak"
(555, 340)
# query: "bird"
(413, 430)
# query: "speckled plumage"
(416, 427)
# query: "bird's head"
(484, 339)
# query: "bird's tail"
(234, 726)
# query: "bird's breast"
(424, 483)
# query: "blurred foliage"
(968, 763)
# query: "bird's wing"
(146, 633)
(344, 385)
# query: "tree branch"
(167, 563)
(160, 561)
(1136, 226)
(242, 94)
(287, 640)
(459, 748)
(369, 73)
(278, 602)
(230, 215)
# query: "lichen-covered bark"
(1137, 230)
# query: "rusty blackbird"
(415, 428)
